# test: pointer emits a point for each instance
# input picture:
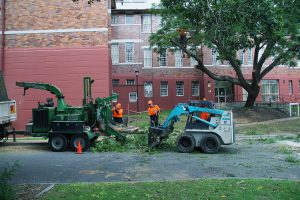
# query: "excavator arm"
(61, 105)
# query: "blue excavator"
(208, 134)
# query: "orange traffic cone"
(79, 150)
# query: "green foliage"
(285, 150)
(195, 189)
(267, 140)
(6, 190)
(270, 27)
(292, 159)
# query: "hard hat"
(150, 102)
(118, 105)
(204, 98)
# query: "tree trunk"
(252, 97)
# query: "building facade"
(57, 42)
(139, 74)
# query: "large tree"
(229, 26)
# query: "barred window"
(129, 52)
(269, 90)
(241, 56)
(215, 60)
(250, 59)
(195, 88)
(164, 88)
(179, 88)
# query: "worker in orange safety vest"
(118, 113)
(153, 111)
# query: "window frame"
(198, 88)
(178, 58)
(132, 93)
(148, 57)
(148, 25)
(161, 89)
(128, 53)
(127, 17)
(146, 93)
(115, 53)
(177, 89)
(165, 59)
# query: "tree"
(229, 26)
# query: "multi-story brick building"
(58, 42)
(139, 74)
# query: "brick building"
(139, 74)
(54, 41)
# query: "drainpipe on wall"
(3, 34)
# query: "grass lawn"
(197, 189)
(291, 126)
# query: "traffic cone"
(79, 150)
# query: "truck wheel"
(84, 142)
(210, 143)
(58, 142)
(185, 143)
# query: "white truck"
(8, 112)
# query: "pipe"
(3, 34)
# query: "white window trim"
(117, 56)
(165, 59)
(178, 58)
(196, 95)
(148, 50)
(126, 19)
(143, 25)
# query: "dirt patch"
(29, 191)
(243, 115)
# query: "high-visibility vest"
(153, 110)
(118, 113)
(204, 115)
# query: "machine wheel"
(210, 143)
(84, 142)
(58, 142)
(185, 143)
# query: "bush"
(6, 190)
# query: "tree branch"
(201, 66)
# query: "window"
(215, 60)
(178, 58)
(146, 23)
(290, 87)
(115, 53)
(132, 97)
(163, 58)
(195, 88)
(164, 88)
(130, 82)
(129, 52)
(241, 56)
(148, 89)
(115, 81)
(114, 19)
(193, 62)
(147, 57)
(179, 88)
(250, 61)
(269, 90)
(128, 19)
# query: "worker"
(118, 113)
(204, 115)
(182, 36)
(153, 111)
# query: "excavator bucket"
(157, 134)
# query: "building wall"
(57, 42)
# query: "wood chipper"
(67, 125)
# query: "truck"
(67, 126)
(8, 111)
(208, 134)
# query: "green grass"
(292, 159)
(285, 150)
(291, 126)
(196, 189)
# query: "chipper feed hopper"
(67, 125)
(207, 134)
